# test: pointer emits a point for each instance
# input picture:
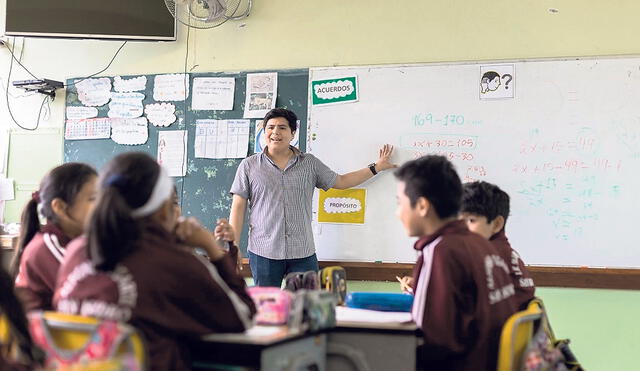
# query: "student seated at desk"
(65, 199)
(463, 292)
(137, 264)
(17, 352)
(485, 208)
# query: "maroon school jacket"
(171, 294)
(525, 289)
(36, 279)
(463, 296)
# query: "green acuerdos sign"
(344, 89)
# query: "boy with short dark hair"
(485, 208)
(463, 292)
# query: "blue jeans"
(270, 272)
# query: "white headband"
(161, 192)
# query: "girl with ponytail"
(19, 353)
(65, 200)
(137, 264)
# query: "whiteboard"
(566, 148)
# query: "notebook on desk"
(356, 315)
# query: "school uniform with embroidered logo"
(170, 293)
(522, 281)
(36, 279)
(463, 296)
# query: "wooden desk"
(262, 348)
(8, 243)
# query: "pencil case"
(295, 281)
(334, 279)
(272, 303)
(382, 301)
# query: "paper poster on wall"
(172, 151)
(344, 206)
(262, 90)
(81, 112)
(94, 92)
(222, 138)
(213, 93)
(497, 81)
(130, 132)
(260, 142)
(171, 87)
(126, 105)
(97, 128)
(160, 114)
(6, 189)
(341, 90)
(4, 150)
(128, 85)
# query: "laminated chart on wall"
(96, 128)
(222, 138)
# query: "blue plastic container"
(383, 301)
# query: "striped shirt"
(280, 202)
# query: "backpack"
(546, 353)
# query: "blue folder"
(383, 301)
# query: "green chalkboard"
(204, 190)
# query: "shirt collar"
(52, 228)
(499, 236)
(455, 226)
(297, 154)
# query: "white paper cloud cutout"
(334, 89)
(342, 205)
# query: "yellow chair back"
(72, 333)
(516, 334)
(5, 331)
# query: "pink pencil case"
(273, 305)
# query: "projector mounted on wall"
(43, 86)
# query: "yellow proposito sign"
(342, 206)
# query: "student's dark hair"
(485, 199)
(434, 178)
(11, 308)
(126, 183)
(291, 117)
(63, 182)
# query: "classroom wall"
(293, 33)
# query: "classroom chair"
(4, 329)
(74, 342)
(5, 337)
(516, 334)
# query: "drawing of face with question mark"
(490, 82)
